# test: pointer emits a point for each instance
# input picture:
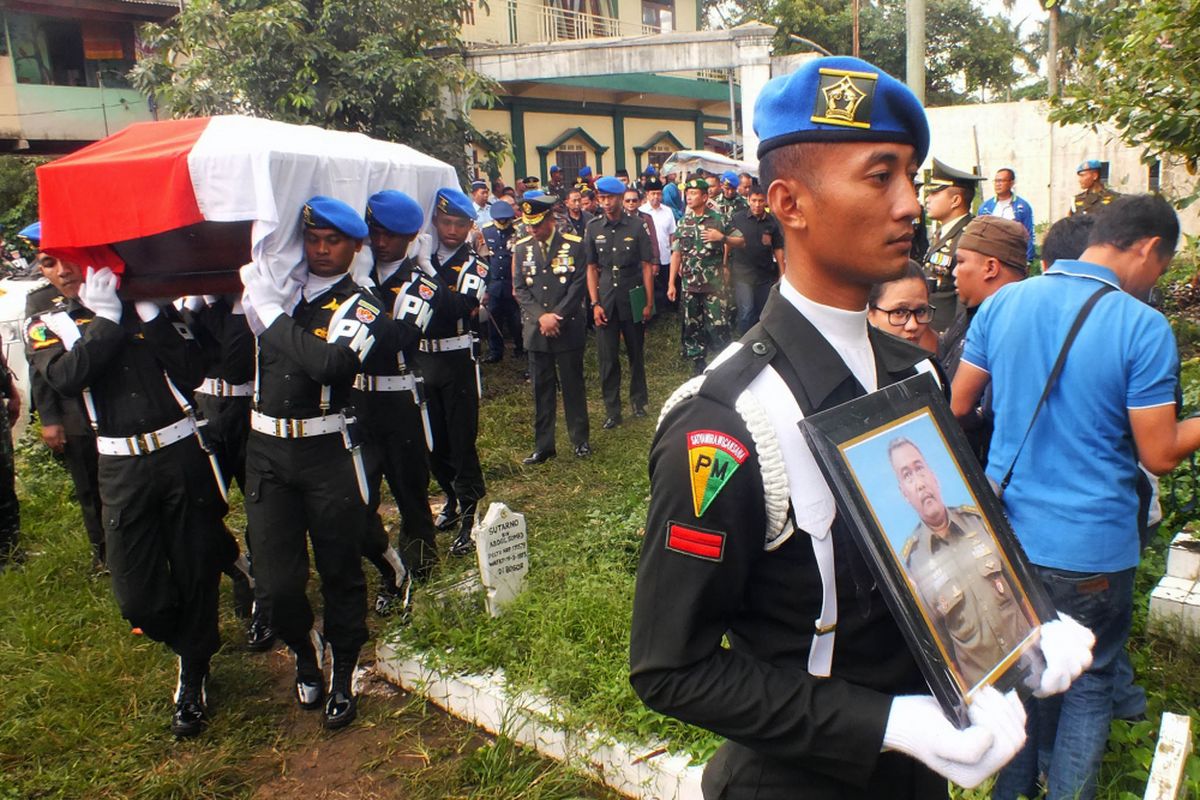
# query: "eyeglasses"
(899, 316)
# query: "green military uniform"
(1093, 199)
(967, 593)
(728, 206)
(705, 312)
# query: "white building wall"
(1044, 155)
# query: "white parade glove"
(99, 293)
(146, 310)
(63, 326)
(917, 726)
(1067, 647)
(420, 250)
(262, 293)
(193, 303)
(209, 299)
(236, 307)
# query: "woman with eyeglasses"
(901, 307)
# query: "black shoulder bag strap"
(1054, 373)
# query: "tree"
(392, 69)
(969, 55)
(18, 187)
(1141, 74)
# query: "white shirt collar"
(315, 285)
(846, 332)
(386, 269)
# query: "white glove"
(99, 293)
(236, 307)
(193, 303)
(917, 726)
(266, 298)
(1067, 648)
(146, 310)
(420, 250)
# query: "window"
(658, 154)
(570, 159)
(54, 51)
(658, 15)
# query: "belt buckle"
(297, 428)
(134, 445)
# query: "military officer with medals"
(948, 198)
(618, 253)
(65, 427)
(755, 615)
(504, 316)
(305, 479)
(958, 571)
(1094, 195)
(390, 400)
(551, 279)
(135, 365)
(448, 357)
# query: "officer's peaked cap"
(839, 99)
(942, 176)
(502, 210)
(395, 211)
(534, 209)
(610, 185)
(454, 203)
(328, 212)
(478, 184)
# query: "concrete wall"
(541, 129)
(1044, 155)
(74, 112)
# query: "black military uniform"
(618, 250)
(162, 508)
(551, 278)
(79, 450)
(706, 575)
(505, 316)
(942, 255)
(447, 358)
(223, 400)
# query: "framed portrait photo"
(934, 533)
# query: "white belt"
(284, 428)
(463, 342)
(145, 443)
(385, 383)
(219, 388)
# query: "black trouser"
(162, 523)
(661, 280)
(394, 449)
(10, 509)
(82, 462)
(548, 371)
(297, 490)
(608, 349)
(505, 321)
(452, 396)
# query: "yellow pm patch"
(713, 457)
(844, 98)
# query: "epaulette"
(523, 240)
(570, 237)
(969, 510)
(488, 224)
(909, 545)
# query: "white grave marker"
(502, 546)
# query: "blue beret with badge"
(554, 168)
(328, 212)
(730, 178)
(395, 211)
(32, 234)
(1091, 163)
(534, 209)
(839, 99)
(610, 185)
(585, 171)
(650, 170)
(502, 210)
(452, 202)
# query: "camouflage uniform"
(705, 310)
(728, 206)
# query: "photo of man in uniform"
(957, 571)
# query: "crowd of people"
(313, 391)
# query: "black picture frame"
(967, 599)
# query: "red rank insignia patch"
(708, 545)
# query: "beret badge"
(844, 98)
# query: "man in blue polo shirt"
(1009, 205)
(1072, 499)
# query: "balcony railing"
(518, 22)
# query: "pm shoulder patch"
(40, 335)
(704, 544)
(713, 457)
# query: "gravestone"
(502, 546)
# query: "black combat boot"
(191, 698)
(463, 544)
(448, 516)
(310, 681)
(395, 588)
(342, 706)
(260, 636)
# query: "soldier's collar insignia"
(844, 98)
(713, 457)
(332, 305)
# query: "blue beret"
(454, 203)
(502, 210)
(395, 211)
(610, 185)
(32, 233)
(1091, 163)
(327, 212)
(730, 177)
(839, 99)
(585, 171)
(650, 170)
(555, 168)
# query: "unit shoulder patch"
(39, 334)
(713, 457)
